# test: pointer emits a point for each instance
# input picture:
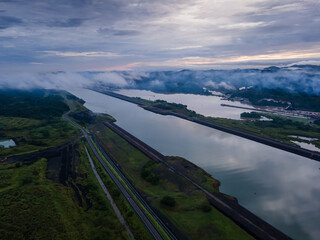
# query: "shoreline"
(254, 225)
(267, 141)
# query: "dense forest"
(299, 101)
(36, 104)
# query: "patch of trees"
(283, 123)
(168, 201)
(299, 100)
(148, 175)
(83, 117)
(168, 106)
(36, 104)
(254, 115)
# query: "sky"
(145, 35)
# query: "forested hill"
(36, 104)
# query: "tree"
(168, 201)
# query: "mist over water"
(303, 79)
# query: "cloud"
(59, 80)
(220, 85)
(71, 22)
(81, 54)
(110, 78)
(7, 21)
(185, 47)
(155, 34)
(119, 32)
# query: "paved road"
(135, 192)
(153, 231)
(114, 206)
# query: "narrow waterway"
(204, 105)
(280, 187)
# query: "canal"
(280, 187)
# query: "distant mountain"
(293, 79)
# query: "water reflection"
(7, 143)
(205, 105)
(278, 186)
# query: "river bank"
(231, 208)
(264, 179)
(199, 119)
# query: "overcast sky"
(79, 35)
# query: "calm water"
(204, 105)
(7, 143)
(280, 187)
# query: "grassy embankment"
(83, 116)
(33, 120)
(138, 229)
(190, 210)
(34, 207)
(280, 128)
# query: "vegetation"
(33, 120)
(253, 115)
(137, 228)
(280, 128)
(166, 107)
(32, 135)
(35, 104)
(83, 116)
(148, 175)
(187, 215)
(301, 101)
(34, 207)
(168, 201)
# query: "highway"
(135, 192)
(114, 206)
(145, 220)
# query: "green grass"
(138, 229)
(188, 214)
(33, 207)
(32, 135)
(280, 128)
(148, 215)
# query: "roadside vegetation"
(82, 115)
(186, 207)
(56, 198)
(136, 226)
(32, 206)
